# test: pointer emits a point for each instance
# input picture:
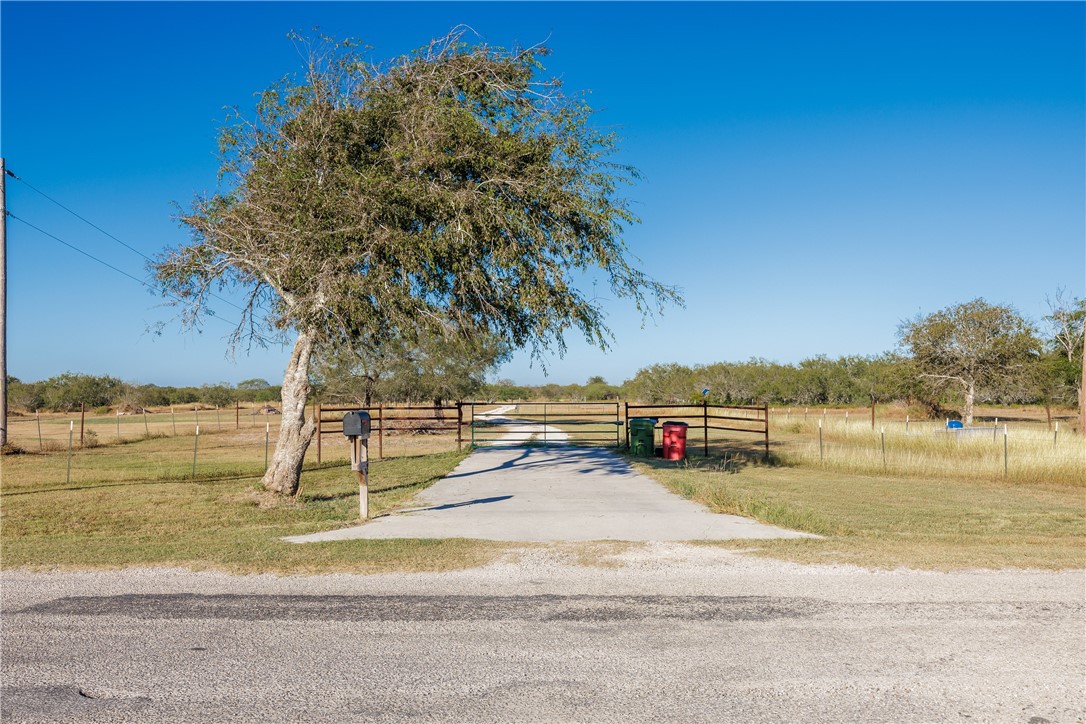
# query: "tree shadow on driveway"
(589, 459)
(447, 506)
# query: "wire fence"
(196, 439)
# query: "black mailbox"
(357, 424)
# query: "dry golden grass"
(938, 503)
(1017, 452)
(138, 503)
(888, 521)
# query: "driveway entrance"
(559, 493)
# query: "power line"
(104, 263)
(103, 231)
(87, 221)
(76, 248)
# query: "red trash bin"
(674, 440)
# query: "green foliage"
(506, 391)
(220, 395)
(973, 341)
(1067, 326)
(363, 205)
(814, 381)
(25, 395)
(1063, 369)
(427, 368)
(449, 185)
(975, 347)
(65, 392)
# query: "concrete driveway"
(559, 493)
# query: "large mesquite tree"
(970, 345)
(450, 188)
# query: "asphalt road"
(665, 632)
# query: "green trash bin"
(642, 436)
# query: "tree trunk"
(970, 395)
(295, 433)
(1082, 387)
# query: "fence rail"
(546, 423)
(696, 412)
(386, 418)
(542, 422)
(472, 422)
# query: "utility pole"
(3, 303)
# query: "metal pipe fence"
(755, 417)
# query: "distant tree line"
(966, 354)
(67, 391)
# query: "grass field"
(933, 500)
(137, 503)
(1017, 452)
(889, 521)
(936, 502)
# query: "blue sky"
(814, 173)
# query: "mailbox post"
(356, 428)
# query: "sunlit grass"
(1017, 454)
(887, 521)
(139, 504)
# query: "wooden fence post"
(765, 413)
(380, 432)
(82, 417)
(626, 419)
(618, 420)
(459, 425)
(705, 424)
(317, 414)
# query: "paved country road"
(663, 632)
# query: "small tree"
(448, 186)
(432, 368)
(1067, 325)
(29, 396)
(220, 395)
(67, 391)
(437, 368)
(975, 344)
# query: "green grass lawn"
(136, 504)
(892, 521)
